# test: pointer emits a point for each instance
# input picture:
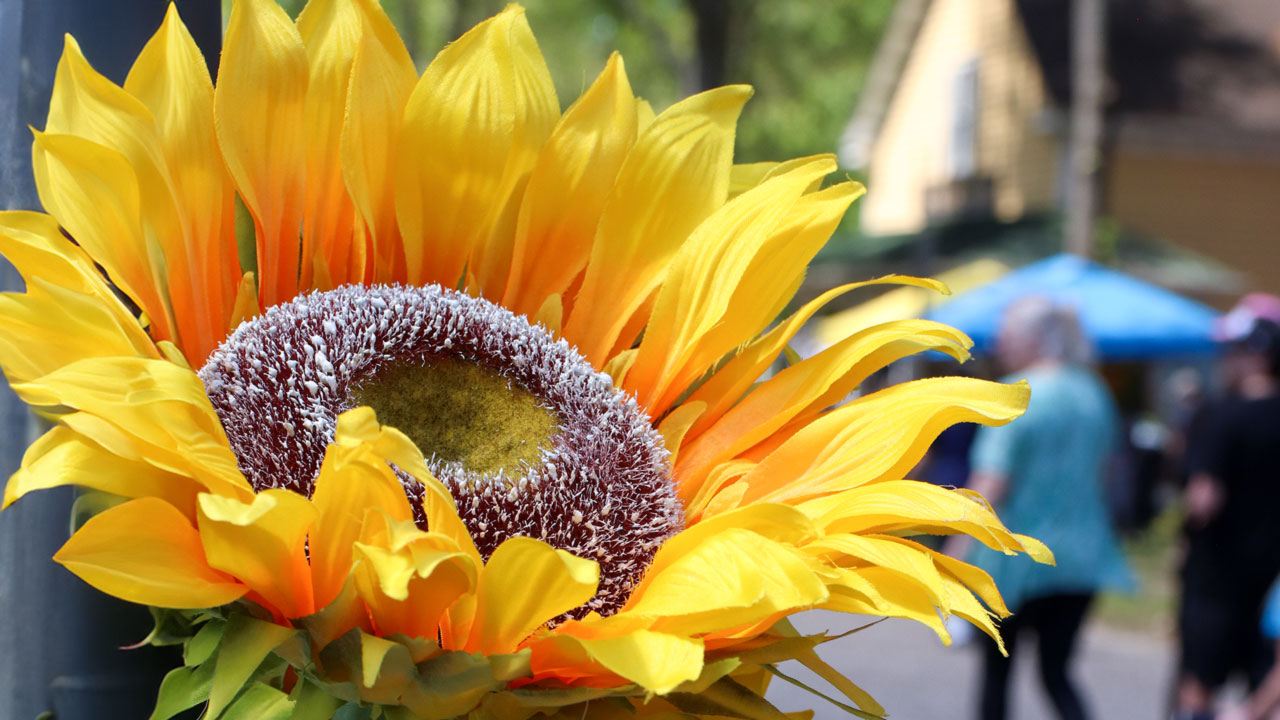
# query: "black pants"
(1056, 621)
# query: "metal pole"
(62, 638)
(1088, 57)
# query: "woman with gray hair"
(1043, 473)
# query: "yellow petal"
(246, 306)
(567, 190)
(330, 30)
(774, 275)
(894, 505)
(913, 564)
(679, 343)
(63, 457)
(526, 583)
(67, 313)
(171, 79)
(550, 314)
(878, 436)
(261, 543)
(973, 578)
(727, 386)
(260, 106)
(352, 481)
(408, 583)
(733, 578)
(677, 423)
(149, 410)
(657, 662)
(800, 387)
(145, 551)
(473, 126)
(93, 192)
(780, 523)
(894, 596)
(675, 176)
(90, 107)
(361, 426)
(382, 76)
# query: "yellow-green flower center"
(530, 439)
(460, 412)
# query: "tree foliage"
(806, 58)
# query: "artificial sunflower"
(584, 500)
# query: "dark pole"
(1088, 79)
(61, 637)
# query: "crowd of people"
(1046, 475)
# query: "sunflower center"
(459, 412)
(528, 437)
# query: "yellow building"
(963, 120)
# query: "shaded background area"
(61, 637)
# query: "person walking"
(1232, 537)
(1043, 473)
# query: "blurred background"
(1121, 157)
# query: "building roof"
(1202, 73)
(1017, 243)
(1199, 75)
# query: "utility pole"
(1084, 144)
(62, 638)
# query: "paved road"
(1125, 676)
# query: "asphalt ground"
(1123, 675)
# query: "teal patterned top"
(1054, 458)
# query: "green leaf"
(310, 702)
(271, 671)
(296, 650)
(181, 689)
(171, 627)
(91, 502)
(203, 644)
(563, 697)
(728, 698)
(449, 685)
(711, 672)
(260, 702)
(847, 708)
(510, 667)
(246, 642)
(341, 662)
(819, 666)
(246, 237)
(353, 711)
(385, 667)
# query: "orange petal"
(260, 106)
(573, 176)
(473, 125)
(170, 78)
(262, 544)
(675, 176)
(681, 339)
(382, 76)
(330, 30)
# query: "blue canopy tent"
(1126, 318)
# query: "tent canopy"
(1125, 318)
(905, 302)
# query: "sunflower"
(418, 393)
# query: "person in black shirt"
(1233, 537)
